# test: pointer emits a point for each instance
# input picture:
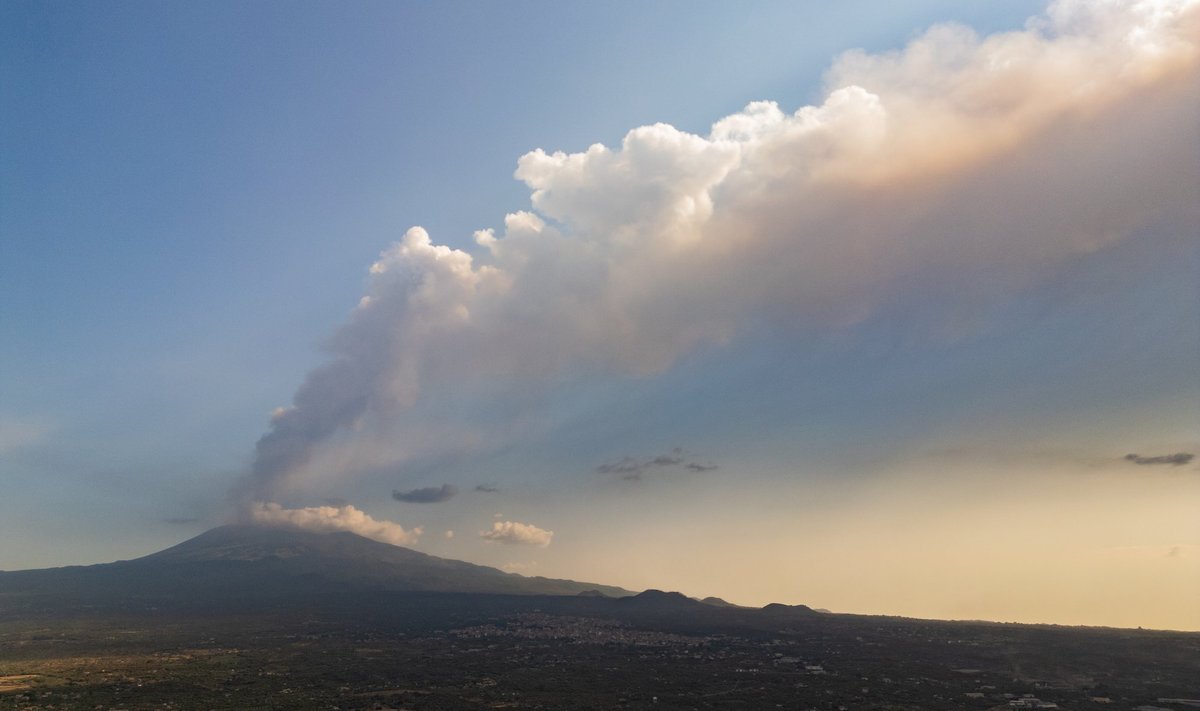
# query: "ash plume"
(923, 165)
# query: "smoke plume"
(955, 160)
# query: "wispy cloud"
(626, 465)
(635, 469)
(1158, 552)
(1176, 460)
(517, 533)
(428, 495)
(324, 519)
(487, 488)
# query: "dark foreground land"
(427, 651)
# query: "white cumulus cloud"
(518, 533)
(325, 519)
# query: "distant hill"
(256, 561)
(776, 608)
(657, 599)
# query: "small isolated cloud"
(1176, 460)
(487, 488)
(518, 533)
(449, 534)
(428, 495)
(326, 519)
(693, 466)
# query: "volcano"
(248, 561)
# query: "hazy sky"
(877, 308)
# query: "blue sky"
(191, 195)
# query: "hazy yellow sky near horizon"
(1065, 547)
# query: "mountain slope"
(260, 561)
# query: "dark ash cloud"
(1176, 460)
(487, 488)
(428, 495)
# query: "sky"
(886, 308)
